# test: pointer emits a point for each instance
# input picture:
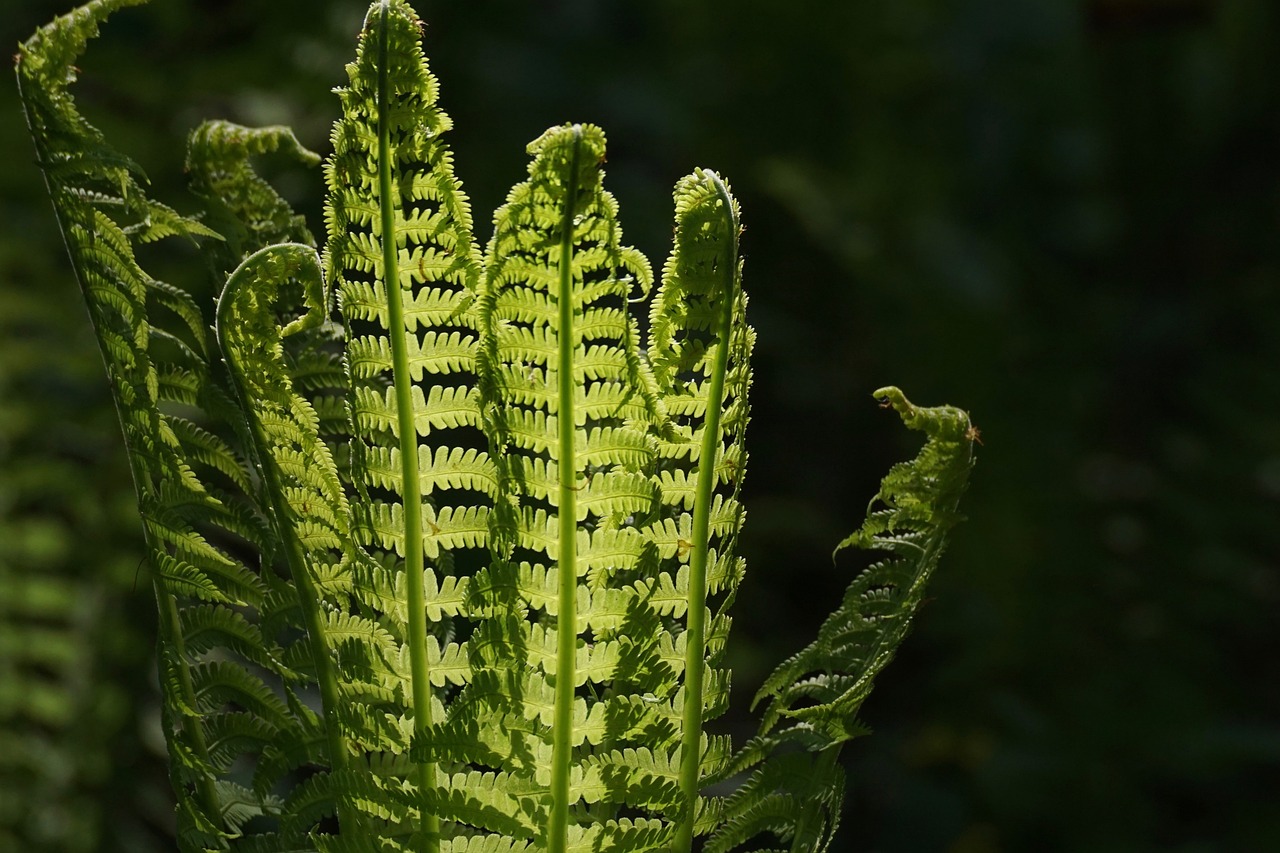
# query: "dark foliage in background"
(1063, 216)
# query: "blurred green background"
(1062, 215)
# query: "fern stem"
(411, 494)
(567, 575)
(696, 636)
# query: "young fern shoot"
(444, 547)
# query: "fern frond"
(568, 405)
(492, 530)
(310, 509)
(401, 255)
(699, 346)
(919, 503)
(242, 207)
(813, 697)
(194, 490)
(89, 181)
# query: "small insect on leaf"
(973, 434)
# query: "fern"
(180, 469)
(455, 575)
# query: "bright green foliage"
(700, 347)
(240, 205)
(482, 604)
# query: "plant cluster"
(452, 572)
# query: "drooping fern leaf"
(194, 491)
(481, 605)
(240, 205)
(812, 699)
(919, 504)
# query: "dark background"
(1062, 215)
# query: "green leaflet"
(459, 574)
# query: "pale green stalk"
(567, 575)
(696, 635)
(411, 494)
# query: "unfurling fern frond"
(245, 209)
(918, 505)
(297, 471)
(700, 346)
(455, 576)
(813, 698)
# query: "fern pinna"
(452, 573)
